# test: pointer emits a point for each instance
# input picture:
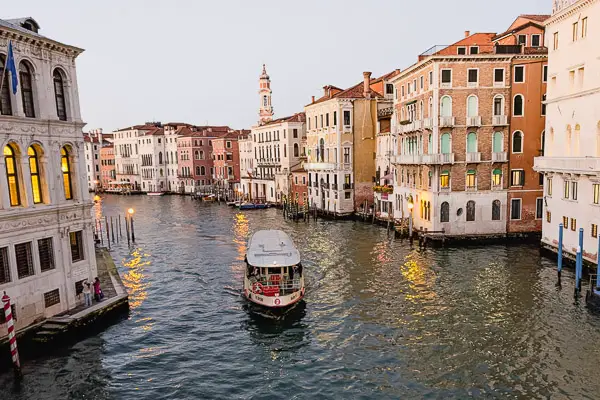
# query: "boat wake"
(232, 291)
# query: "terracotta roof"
(137, 127)
(298, 117)
(356, 91)
(155, 132)
(536, 17)
(516, 29)
(387, 76)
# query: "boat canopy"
(272, 248)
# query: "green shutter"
(497, 172)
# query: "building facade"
(152, 147)
(92, 146)
(299, 191)
(571, 159)
(340, 149)
(108, 173)
(127, 154)
(46, 238)
(226, 158)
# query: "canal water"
(381, 320)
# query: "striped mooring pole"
(12, 340)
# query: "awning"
(410, 102)
(497, 172)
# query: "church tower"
(266, 109)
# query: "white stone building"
(127, 154)
(92, 144)
(46, 239)
(277, 150)
(172, 131)
(153, 165)
(246, 163)
(571, 161)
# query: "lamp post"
(131, 211)
(410, 221)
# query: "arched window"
(550, 147)
(445, 180)
(497, 142)
(472, 106)
(34, 171)
(470, 210)
(446, 106)
(5, 104)
(196, 155)
(430, 108)
(445, 212)
(445, 143)
(497, 178)
(296, 150)
(496, 210)
(568, 140)
(517, 142)
(59, 95)
(472, 142)
(322, 149)
(65, 166)
(576, 150)
(197, 170)
(160, 160)
(264, 101)
(25, 74)
(202, 170)
(421, 111)
(518, 106)
(201, 155)
(12, 175)
(498, 105)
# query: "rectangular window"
(295, 132)
(566, 222)
(594, 230)
(327, 120)
(584, 27)
(430, 78)
(548, 216)
(322, 121)
(545, 73)
(573, 224)
(555, 41)
(446, 76)
(567, 189)
(51, 298)
(24, 260)
(473, 77)
(549, 186)
(515, 209)
(46, 252)
(347, 155)
(596, 193)
(519, 73)
(543, 105)
(575, 31)
(535, 40)
(4, 266)
(76, 240)
(541, 179)
(522, 40)
(347, 195)
(335, 118)
(389, 88)
(539, 208)
(347, 118)
(402, 90)
(79, 287)
(517, 177)
(474, 50)
(408, 88)
(422, 82)
(499, 75)
(461, 51)
(574, 190)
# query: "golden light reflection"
(241, 230)
(134, 278)
(421, 280)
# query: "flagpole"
(3, 73)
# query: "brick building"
(299, 186)
(108, 173)
(226, 159)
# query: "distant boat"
(155, 193)
(209, 198)
(247, 206)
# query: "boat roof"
(272, 248)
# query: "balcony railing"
(408, 159)
(325, 185)
(578, 165)
(500, 156)
(474, 121)
(440, 158)
(447, 121)
(499, 120)
(334, 186)
(348, 186)
(473, 157)
(428, 123)
(319, 166)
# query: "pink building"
(226, 158)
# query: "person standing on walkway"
(97, 291)
(87, 293)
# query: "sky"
(198, 61)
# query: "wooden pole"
(132, 230)
(120, 231)
(107, 231)
(127, 229)
(112, 229)
(12, 340)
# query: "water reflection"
(134, 277)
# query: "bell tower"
(265, 113)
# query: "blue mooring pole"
(579, 262)
(560, 249)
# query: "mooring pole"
(112, 229)
(598, 262)
(12, 340)
(120, 231)
(560, 250)
(127, 230)
(107, 231)
(579, 262)
(132, 230)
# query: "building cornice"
(19, 125)
(568, 11)
(40, 42)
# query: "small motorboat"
(274, 278)
(247, 206)
(232, 203)
(261, 206)
(155, 193)
(209, 198)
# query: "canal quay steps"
(71, 326)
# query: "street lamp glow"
(410, 205)
(130, 211)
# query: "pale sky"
(198, 61)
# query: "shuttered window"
(46, 252)
(51, 298)
(24, 260)
(4, 266)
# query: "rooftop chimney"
(313, 99)
(467, 34)
(367, 84)
(326, 91)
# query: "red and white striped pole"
(12, 340)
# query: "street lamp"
(411, 205)
(131, 211)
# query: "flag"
(10, 65)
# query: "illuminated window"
(471, 175)
(594, 230)
(66, 171)
(497, 178)
(12, 176)
(566, 222)
(573, 224)
(596, 191)
(548, 216)
(445, 179)
(34, 170)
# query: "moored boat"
(274, 275)
(155, 193)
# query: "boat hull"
(155, 193)
(275, 303)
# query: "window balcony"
(474, 121)
(473, 157)
(440, 158)
(428, 123)
(343, 166)
(325, 185)
(500, 156)
(334, 186)
(320, 166)
(576, 165)
(471, 188)
(499, 120)
(348, 186)
(446, 122)
(408, 159)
